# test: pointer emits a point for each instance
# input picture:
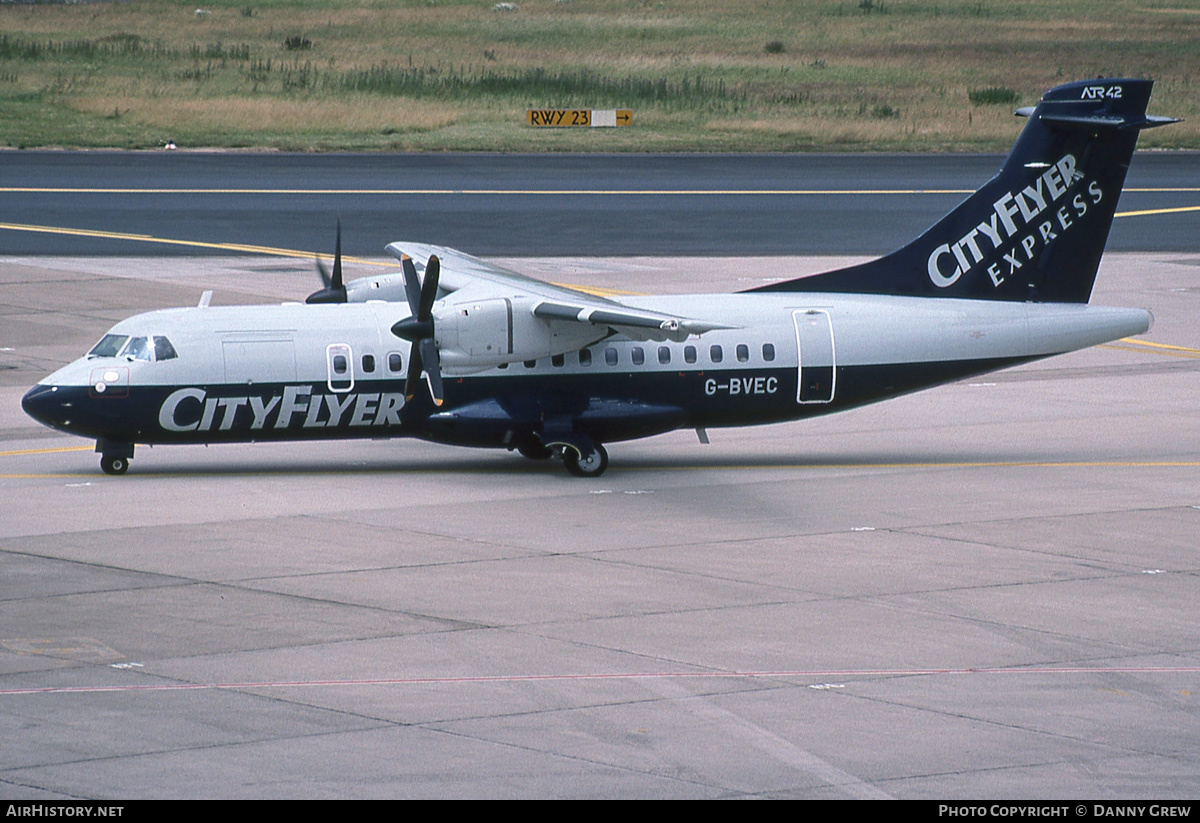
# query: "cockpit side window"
(163, 350)
(138, 348)
(108, 346)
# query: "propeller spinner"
(419, 328)
(335, 288)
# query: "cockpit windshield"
(163, 350)
(134, 348)
(109, 346)
(138, 349)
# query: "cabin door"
(817, 366)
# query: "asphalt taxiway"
(988, 589)
(145, 203)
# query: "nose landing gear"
(114, 457)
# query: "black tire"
(594, 466)
(114, 465)
(534, 450)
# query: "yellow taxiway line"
(149, 238)
(1165, 349)
(59, 450)
(1148, 212)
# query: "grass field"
(699, 75)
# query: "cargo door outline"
(256, 358)
(816, 366)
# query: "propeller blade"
(433, 370)
(337, 259)
(335, 288)
(429, 288)
(324, 272)
(412, 286)
(415, 366)
(423, 358)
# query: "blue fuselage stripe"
(478, 410)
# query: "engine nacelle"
(480, 334)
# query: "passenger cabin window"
(339, 364)
(743, 352)
(585, 357)
(768, 352)
(610, 356)
(368, 363)
(664, 354)
(109, 345)
(395, 362)
(557, 360)
(715, 354)
(529, 364)
(689, 354)
(639, 355)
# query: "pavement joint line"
(802, 674)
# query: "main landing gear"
(591, 466)
(572, 453)
(114, 457)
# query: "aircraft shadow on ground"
(517, 467)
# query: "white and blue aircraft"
(471, 354)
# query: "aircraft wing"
(465, 278)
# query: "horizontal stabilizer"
(1108, 122)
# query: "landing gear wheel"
(593, 466)
(534, 450)
(114, 465)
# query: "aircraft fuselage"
(293, 372)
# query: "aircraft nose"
(42, 404)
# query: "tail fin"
(1035, 231)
